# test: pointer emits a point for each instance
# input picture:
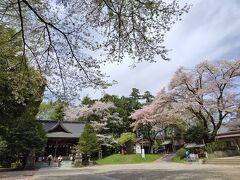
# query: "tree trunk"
(151, 146)
(151, 141)
(30, 162)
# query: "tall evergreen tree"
(148, 97)
(21, 91)
(88, 143)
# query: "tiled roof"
(231, 126)
(74, 128)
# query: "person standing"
(59, 160)
(49, 159)
(187, 153)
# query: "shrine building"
(62, 136)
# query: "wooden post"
(67, 150)
(236, 141)
(55, 153)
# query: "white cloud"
(209, 31)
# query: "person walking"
(49, 159)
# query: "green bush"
(177, 159)
(181, 153)
(215, 146)
(127, 140)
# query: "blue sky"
(210, 31)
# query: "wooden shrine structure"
(62, 136)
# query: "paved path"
(167, 157)
(160, 170)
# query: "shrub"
(177, 159)
(127, 140)
(215, 146)
(181, 153)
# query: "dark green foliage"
(135, 97)
(21, 91)
(124, 107)
(87, 101)
(215, 146)
(25, 135)
(135, 94)
(175, 131)
(52, 110)
(148, 97)
(3, 146)
(196, 134)
(88, 142)
(58, 113)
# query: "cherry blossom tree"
(100, 118)
(64, 37)
(155, 117)
(209, 93)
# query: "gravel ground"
(152, 171)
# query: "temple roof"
(62, 129)
(229, 130)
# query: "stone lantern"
(78, 159)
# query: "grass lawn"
(128, 159)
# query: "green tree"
(134, 98)
(52, 110)
(44, 109)
(21, 91)
(124, 106)
(148, 97)
(58, 113)
(127, 140)
(196, 134)
(3, 146)
(88, 143)
(87, 101)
